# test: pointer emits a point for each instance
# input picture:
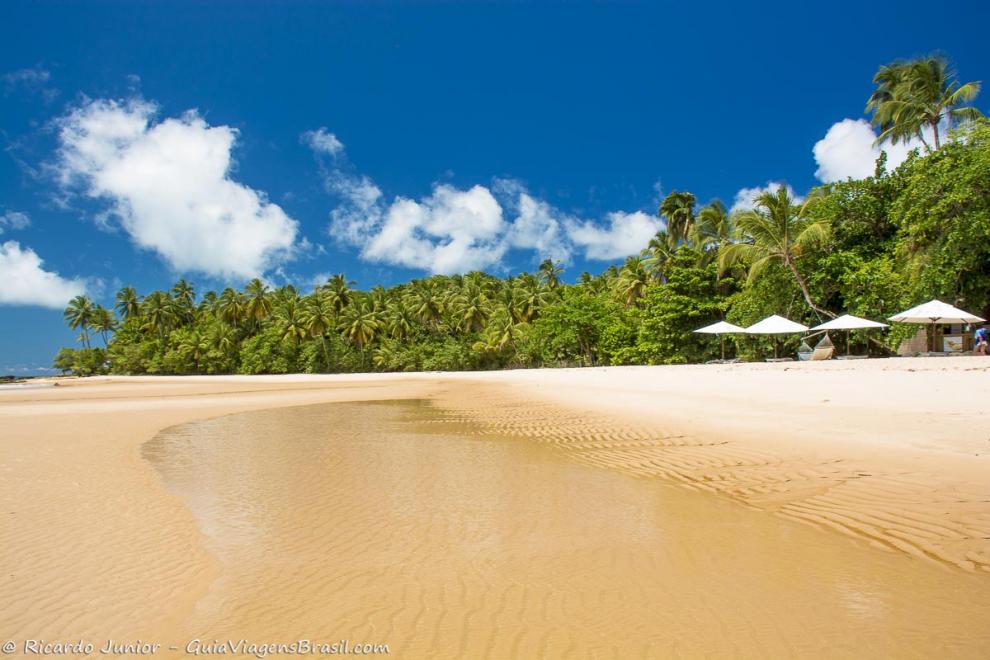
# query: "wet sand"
(485, 516)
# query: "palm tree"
(918, 94)
(194, 344)
(338, 291)
(231, 307)
(470, 308)
(103, 321)
(159, 313)
(426, 303)
(400, 322)
(291, 321)
(775, 231)
(223, 338)
(184, 294)
(128, 303)
(633, 281)
(259, 303)
(550, 272)
(678, 209)
(359, 323)
(79, 315)
(712, 231)
(657, 254)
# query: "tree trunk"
(935, 133)
(804, 290)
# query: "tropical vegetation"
(868, 247)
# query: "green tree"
(914, 95)
(775, 231)
(79, 316)
(678, 210)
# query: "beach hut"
(775, 325)
(848, 322)
(934, 313)
(721, 329)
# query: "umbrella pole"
(722, 340)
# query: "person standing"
(981, 341)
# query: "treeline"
(868, 247)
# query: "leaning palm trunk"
(804, 289)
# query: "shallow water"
(362, 521)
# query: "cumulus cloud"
(848, 151)
(169, 185)
(322, 140)
(14, 220)
(626, 233)
(23, 280)
(454, 230)
(745, 199)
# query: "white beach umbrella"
(775, 325)
(720, 328)
(935, 312)
(849, 322)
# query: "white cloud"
(323, 141)
(847, 151)
(451, 231)
(169, 185)
(627, 233)
(23, 281)
(14, 220)
(454, 230)
(745, 199)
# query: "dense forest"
(868, 247)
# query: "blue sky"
(146, 142)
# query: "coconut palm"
(678, 209)
(633, 280)
(426, 302)
(79, 315)
(470, 308)
(317, 318)
(128, 303)
(550, 272)
(657, 254)
(259, 302)
(920, 94)
(359, 323)
(223, 338)
(195, 345)
(104, 322)
(775, 231)
(184, 294)
(159, 314)
(338, 291)
(291, 321)
(231, 307)
(712, 231)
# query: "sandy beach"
(835, 509)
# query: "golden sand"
(499, 515)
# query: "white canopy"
(935, 311)
(720, 328)
(775, 325)
(849, 322)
